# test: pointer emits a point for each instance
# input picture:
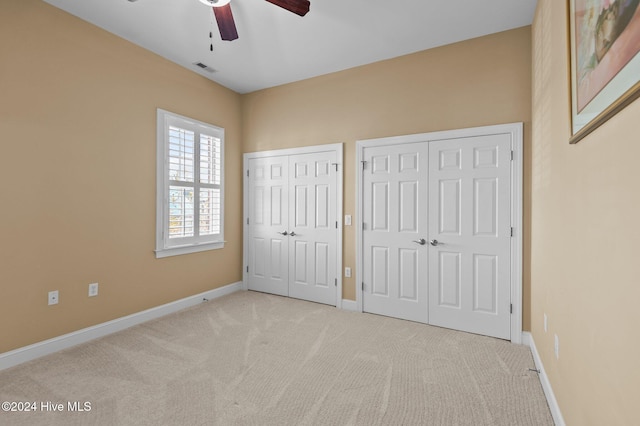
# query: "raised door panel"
(408, 279)
(449, 284)
(485, 207)
(379, 266)
(449, 207)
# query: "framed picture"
(605, 61)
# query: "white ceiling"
(277, 47)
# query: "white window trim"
(163, 248)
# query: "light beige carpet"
(257, 359)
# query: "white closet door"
(313, 227)
(269, 219)
(292, 234)
(395, 229)
(470, 233)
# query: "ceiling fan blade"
(299, 7)
(226, 24)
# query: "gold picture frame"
(604, 40)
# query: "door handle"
(434, 242)
(285, 233)
(292, 233)
(421, 241)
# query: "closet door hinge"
(335, 282)
(512, 231)
(336, 224)
(335, 164)
(511, 309)
(364, 164)
(247, 221)
(247, 269)
(512, 155)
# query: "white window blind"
(190, 185)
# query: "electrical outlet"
(347, 272)
(347, 220)
(53, 297)
(93, 289)
(545, 323)
(556, 346)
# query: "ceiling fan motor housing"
(215, 3)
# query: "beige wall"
(473, 83)
(584, 248)
(77, 169)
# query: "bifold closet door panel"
(395, 231)
(268, 239)
(313, 227)
(470, 226)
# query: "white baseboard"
(46, 347)
(349, 305)
(527, 339)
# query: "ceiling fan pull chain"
(211, 32)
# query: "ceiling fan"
(224, 16)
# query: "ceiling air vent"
(204, 67)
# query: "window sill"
(194, 248)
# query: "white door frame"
(515, 130)
(338, 149)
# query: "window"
(190, 175)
